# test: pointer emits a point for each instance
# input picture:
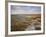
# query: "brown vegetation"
(20, 24)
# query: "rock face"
(34, 26)
(25, 22)
(30, 27)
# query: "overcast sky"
(25, 9)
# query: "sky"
(27, 9)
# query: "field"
(25, 22)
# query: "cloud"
(15, 8)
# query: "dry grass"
(20, 24)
